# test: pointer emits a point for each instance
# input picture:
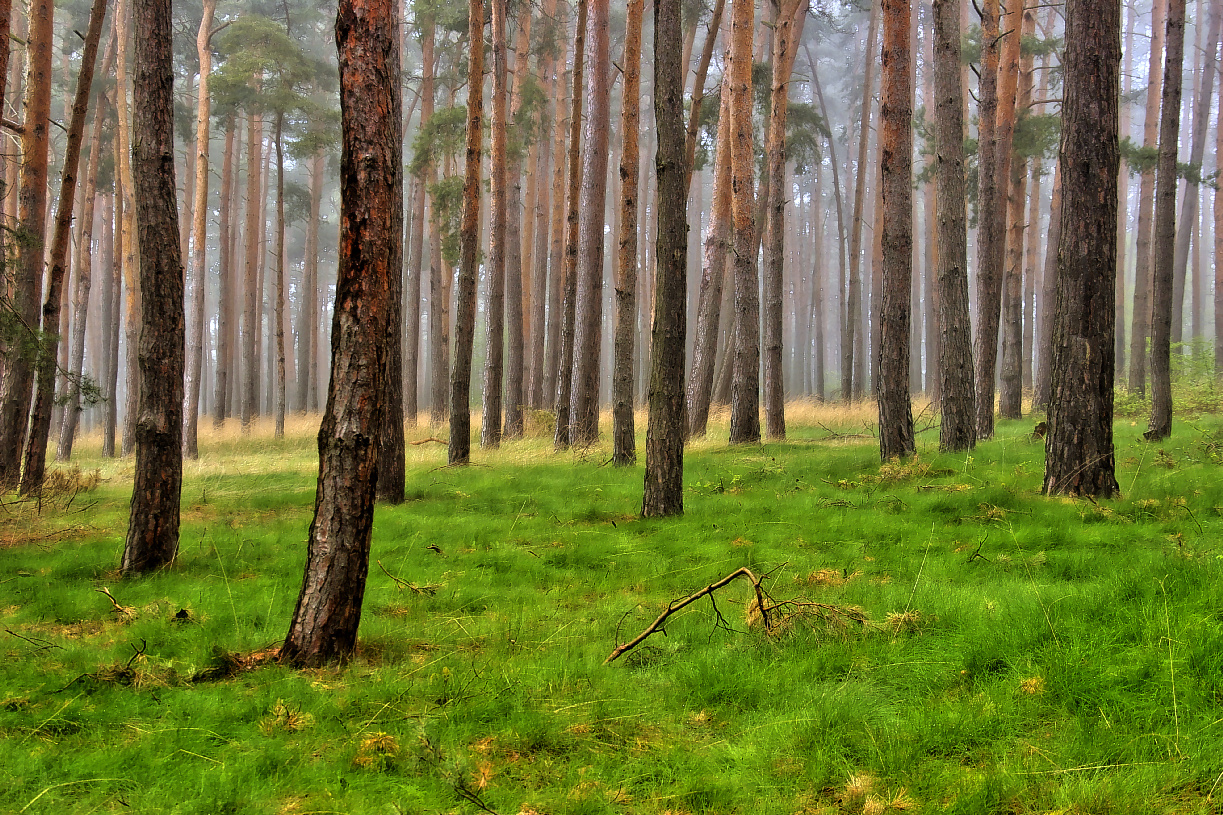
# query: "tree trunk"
(624, 452)
(112, 319)
(1079, 447)
(564, 374)
(1160, 426)
(35, 467)
(896, 157)
(1141, 319)
(412, 340)
(391, 455)
(225, 317)
(588, 331)
(250, 290)
(1123, 182)
(328, 612)
(307, 335)
(664, 470)
(469, 240)
(556, 249)
(494, 305)
(18, 385)
(550, 123)
(152, 533)
(698, 89)
(1044, 365)
(131, 249)
(1218, 255)
(279, 310)
(199, 233)
(957, 397)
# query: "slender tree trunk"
(18, 384)
(664, 471)
(113, 323)
(1044, 365)
(328, 612)
(131, 249)
(515, 267)
(494, 308)
(251, 291)
(307, 336)
(564, 375)
(624, 451)
(1140, 329)
(1218, 254)
(1079, 447)
(957, 397)
(556, 253)
(1160, 426)
(279, 310)
(152, 534)
(469, 241)
(220, 401)
(698, 88)
(588, 331)
(543, 236)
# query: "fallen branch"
(426, 441)
(676, 605)
(429, 589)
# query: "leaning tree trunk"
(957, 398)
(1160, 425)
(624, 441)
(469, 242)
(152, 533)
(664, 470)
(32, 214)
(199, 235)
(745, 388)
(328, 612)
(1079, 447)
(40, 423)
(896, 155)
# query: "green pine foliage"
(976, 647)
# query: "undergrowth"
(966, 645)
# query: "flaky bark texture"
(1079, 445)
(494, 303)
(324, 626)
(469, 247)
(35, 467)
(18, 383)
(745, 389)
(152, 533)
(664, 454)
(624, 441)
(957, 399)
(588, 331)
(1160, 425)
(896, 152)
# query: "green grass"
(1022, 654)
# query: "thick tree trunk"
(469, 243)
(896, 155)
(564, 375)
(199, 235)
(624, 440)
(1079, 447)
(152, 533)
(328, 612)
(494, 304)
(35, 466)
(1140, 329)
(588, 330)
(957, 397)
(18, 385)
(664, 471)
(1160, 425)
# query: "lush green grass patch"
(1020, 654)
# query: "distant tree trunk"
(131, 247)
(152, 534)
(251, 290)
(588, 331)
(624, 439)
(469, 241)
(543, 271)
(564, 375)
(698, 88)
(199, 234)
(307, 336)
(1160, 426)
(853, 299)
(494, 305)
(1218, 256)
(1141, 319)
(84, 279)
(787, 31)
(1079, 447)
(1190, 194)
(516, 265)
(957, 398)
(713, 274)
(440, 277)
(113, 320)
(664, 471)
(745, 396)
(328, 612)
(18, 382)
(1044, 365)
(279, 308)
(896, 155)
(220, 400)
(35, 467)
(412, 340)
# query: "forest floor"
(957, 642)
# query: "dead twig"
(38, 643)
(429, 590)
(426, 441)
(676, 605)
